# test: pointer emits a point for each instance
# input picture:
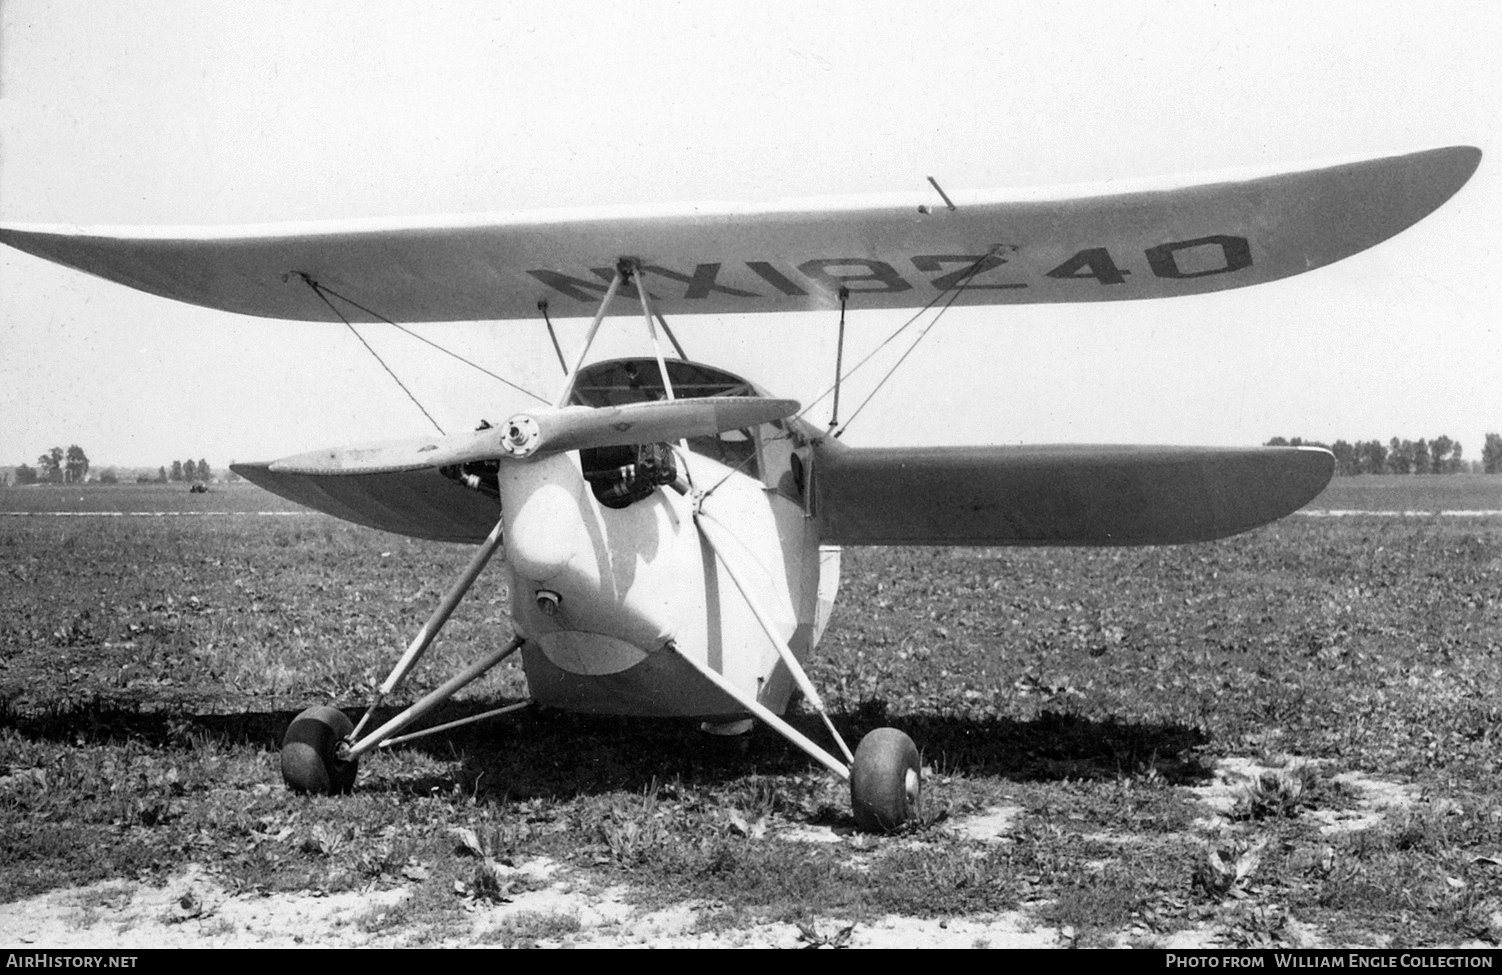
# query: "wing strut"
(542, 306)
(646, 311)
(839, 360)
(572, 374)
(626, 268)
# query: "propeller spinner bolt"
(519, 435)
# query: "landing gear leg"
(322, 748)
(885, 773)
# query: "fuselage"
(613, 580)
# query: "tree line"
(71, 466)
(1440, 455)
(185, 470)
(56, 466)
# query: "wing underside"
(1058, 495)
(418, 501)
(1111, 242)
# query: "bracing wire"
(320, 288)
(953, 293)
(669, 332)
(356, 332)
(959, 290)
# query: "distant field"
(241, 497)
(1389, 492)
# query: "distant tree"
(1444, 455)
(1277, 442)
(161, 475)
(1399, 456)
(1421, 458)
(50, 466)
(177, 471)
(204, 474)
(25, 474)
(1347, 461)
(76, 465)
(108, 476)
(1491, 454)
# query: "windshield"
(617, 382)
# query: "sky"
(147, 112)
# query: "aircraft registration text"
(997, 270)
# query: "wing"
(396, 487)
(1057, 495)
(1106, 243)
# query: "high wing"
(1058, 495)
(1103, 243)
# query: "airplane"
(671, 531)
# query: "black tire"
(886, 781)
(310, 760)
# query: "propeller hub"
(520, 435)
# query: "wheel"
(309, 752)
(886, 781)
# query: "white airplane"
(671, 531)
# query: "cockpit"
(621, 475)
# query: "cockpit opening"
(622, 475)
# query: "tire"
(310, 760)
(886, 781)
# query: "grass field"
(1447, 492)
(1083, 699)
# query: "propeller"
(545, 431)
(549, 430)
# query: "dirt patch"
(555, 908)
(192, 911)
(195, 911)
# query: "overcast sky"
(186, 113)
